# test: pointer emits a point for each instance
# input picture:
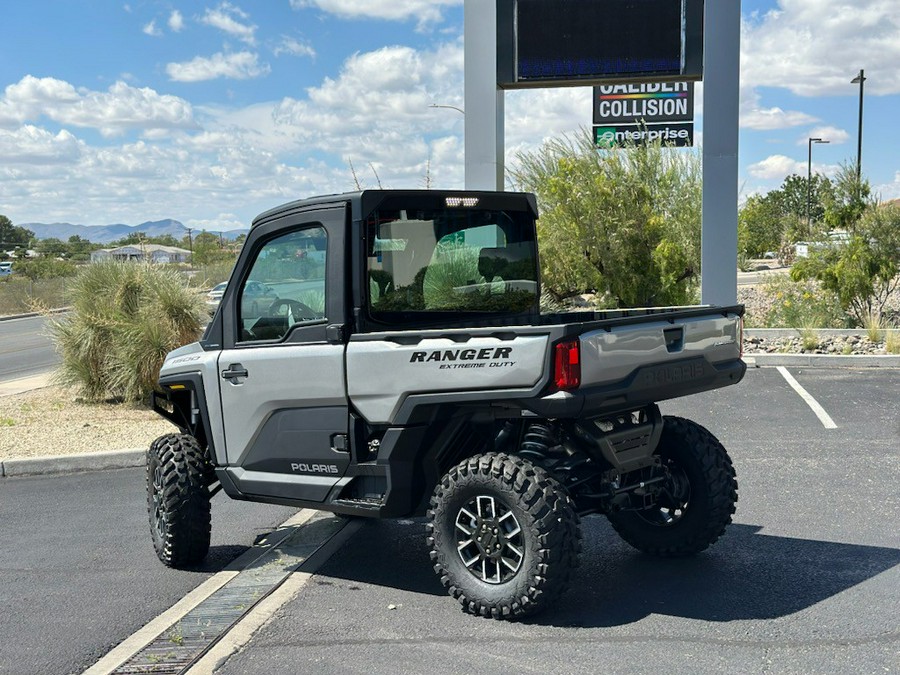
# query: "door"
(281, 370)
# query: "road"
(25, 349)
(807, 579)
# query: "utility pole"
(191, 247)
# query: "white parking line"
(823, 416)
(136, 642)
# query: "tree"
(863, 272)
(80, 249)
(12, 237)
(624, 222)
(761, 225)
(208, 249)
(51, 248)
(849, 200)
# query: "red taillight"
(567, 365)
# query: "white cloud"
(237, 66)
(889, 191)
(780, 166)
(119, 108)
(754, 116)
(176, 21)
(768, 119)
(221, 223)
(151, 29)
(424, 11)
(32, 145)
(294, 47)
(815, 47)
(223, 18)
(833, 135)
(776, 167)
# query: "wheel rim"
(674, 498)
(159, 511)
(489, 539)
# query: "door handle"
(234, 372)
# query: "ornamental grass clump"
(125, 318)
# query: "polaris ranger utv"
(405, 369)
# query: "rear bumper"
(644, 385)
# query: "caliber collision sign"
(645, 111)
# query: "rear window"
(453, 262)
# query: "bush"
(125, 318)
(862, 272)
(624, 223)
(801, 304)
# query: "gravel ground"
(50, 421)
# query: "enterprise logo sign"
(678, 135)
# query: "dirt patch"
(50, 421)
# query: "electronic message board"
(547, 43)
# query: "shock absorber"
(539, 442)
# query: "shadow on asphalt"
(746, 575)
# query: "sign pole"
(484, 126)
(721, 82)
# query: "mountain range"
(104, 234)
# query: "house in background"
(148, 252)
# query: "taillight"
(567, 365)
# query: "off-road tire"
(687, 446)
(178, 476)
(550, 536)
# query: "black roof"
(363, 202)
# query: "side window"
(286, 285)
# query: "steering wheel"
(294, 310)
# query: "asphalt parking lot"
(807, 579)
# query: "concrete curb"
(89, 461)
(30, 315)
(823, 360)
(797, 332)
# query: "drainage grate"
(180, 645)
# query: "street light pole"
(809, 182)
(860, 80)
(451, 107)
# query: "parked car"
(257, 298)
(5, 269)
(214, 297)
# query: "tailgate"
(669, 350)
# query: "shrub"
(864, 271)
(801, 304)
(624, 223)
(125, 318)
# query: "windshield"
(454, 260)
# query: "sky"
(212, 112)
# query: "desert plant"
(799, 304)
(863, 272)
(892, 342)
(125, 318)
(622, 222)
(874, 325)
